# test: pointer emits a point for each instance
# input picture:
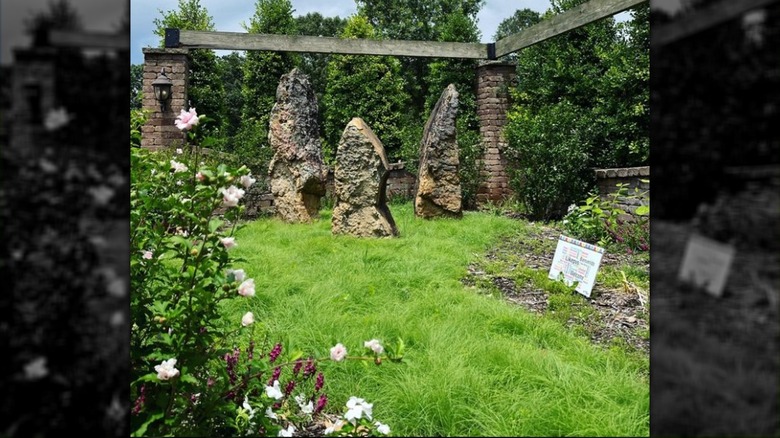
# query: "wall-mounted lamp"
(162, 89)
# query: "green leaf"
(643, 210)
(214, 224)
(141, 431)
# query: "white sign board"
(577, 261)
(706, 263)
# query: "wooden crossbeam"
(694, 22)
(564, 22)
(89, 40)
(191, 39)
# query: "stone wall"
(494, 79)
(632, 177)
(400, 184)
(159, 130)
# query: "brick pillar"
(33, 94)
(494, 79)
(159, 130)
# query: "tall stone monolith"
(438, 182)
(297, 171)
(360, 178)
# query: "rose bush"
(194, 374)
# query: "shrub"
(193, 373)
(549, 163)
(601, 221)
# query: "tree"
(205, 91)
(457, 27)
(415, 20)
(315, 65)
(370, 87)
(59, 15)
(136, 85)
(520, 20)
(262, 72)
(581, 103)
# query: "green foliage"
(138, 118)
(459, 27)
(520, 20)
(416, 20)
(315, 65)
(261, 73)
(369, 87)
(205, 89)
(550, 161)
(601, 221)
(194, 373)
(57, 205)
(136, 86)
(583, 94)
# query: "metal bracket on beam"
(171, 38)
(491, 51)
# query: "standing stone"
(438, 183)
(360, 177)
(297, 171)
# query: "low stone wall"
(260, 200)
(607, 181)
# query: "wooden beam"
(579, 16)
(89, 40)
(696, 21)
(190, 39)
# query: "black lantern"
(162, 89)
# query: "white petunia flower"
(274, 392)
(287, 432)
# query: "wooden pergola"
(574, 18)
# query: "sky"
(96, 15)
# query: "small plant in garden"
(599, 221)
(192, 373)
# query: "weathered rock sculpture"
(438, 183)
(360, 177)
(297, 171)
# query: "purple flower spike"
(277, 350)
(289, 388)
(321, 402)
(319, 383)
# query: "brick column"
(494, 79)
(159, 130)
(33, 94)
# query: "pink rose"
(247, 181)
(247, 319)
(200, 177)
(247, 288)
(338, 352)
(148, 255)
(231, 196)
(187, 119)
(229, 242)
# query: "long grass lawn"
(474, 364)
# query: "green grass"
(474, 365)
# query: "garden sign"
(576, 261)
(706, 264)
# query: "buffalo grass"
(474, 365)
